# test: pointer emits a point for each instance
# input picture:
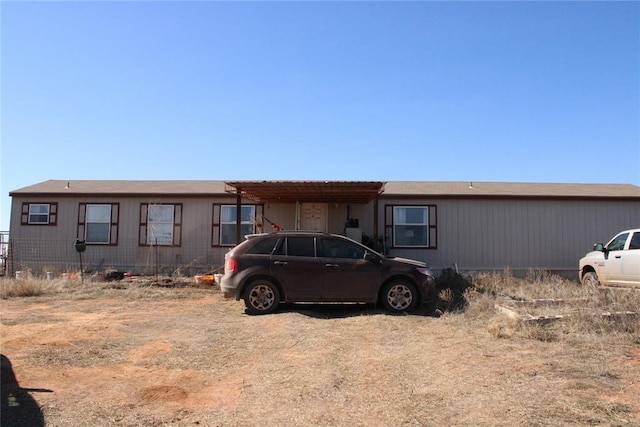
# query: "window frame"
(176, 229)
(251, 222)
(216, 225)
(52, 214)
(114, 216)
(431, 225)
(284, 247)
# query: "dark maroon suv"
(293, 266)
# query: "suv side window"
(617, 244)
(297, 246)
(263, 247)
(338, 248)
(635, 241)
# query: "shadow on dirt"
(18, 407)
(341, 311)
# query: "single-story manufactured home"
(188, 226)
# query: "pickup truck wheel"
(261, 297)
(399, 296)
(590, 280)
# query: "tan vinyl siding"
(63, 228)
(283, 214)
(361, 212)
(195, 247)
(491, 235)
(364, 214)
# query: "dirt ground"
(190, 357)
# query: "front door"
(313, 217)
(348, 276)
(611, 268)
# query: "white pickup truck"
(616, 263)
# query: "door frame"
(299, 209)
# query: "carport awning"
(307, 191)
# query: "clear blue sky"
(434, 91)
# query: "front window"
(228, 224)
(160, 222)
(411, 226)
(98, 224)
(39, 213)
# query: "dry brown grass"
(75, 289)
(548, 305)
(133, 353)
(22, 288)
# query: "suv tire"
(399, 296)
(261, 297)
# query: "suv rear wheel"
(261, 297)
(399, 296)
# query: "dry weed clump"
(548, 308)
(77, 289)
(10, 288)
(503, 327)
(480, 304)
(33, 286)
(451, 288)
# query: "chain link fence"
(47, 258)
(4, 252)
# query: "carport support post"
(238, 213)
(375, 222)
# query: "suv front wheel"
(399, 296)
(261, 297)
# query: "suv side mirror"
(598, 247)
(370, 256)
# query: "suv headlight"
(424, 270)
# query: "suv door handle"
(332, 265)
(280, 263)
(618, 256)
